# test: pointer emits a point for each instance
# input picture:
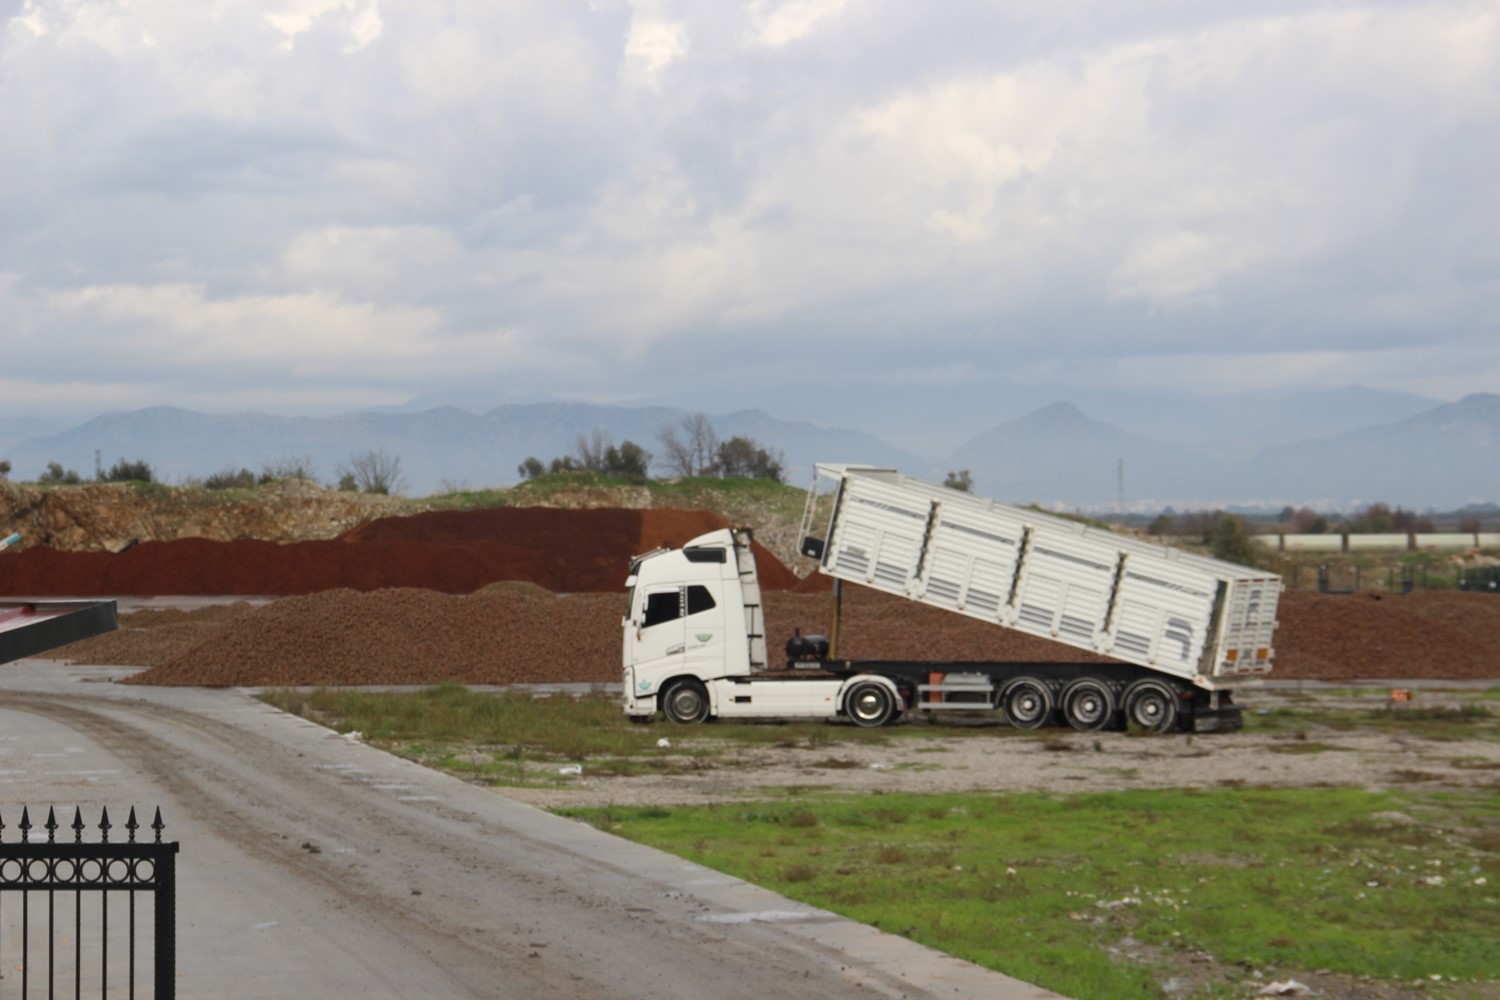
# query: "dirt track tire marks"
(498, 898)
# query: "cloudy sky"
(318, 206)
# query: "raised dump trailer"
(1179, 629)
(33, 627)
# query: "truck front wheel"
(870, 705)
(685, 702)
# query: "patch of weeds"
(800, 873)
(837, 764)
(1475, 763)
(1303, 748)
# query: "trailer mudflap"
(27, 629)
(1215, 712)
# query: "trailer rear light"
(1232, 655)
(1262, 654)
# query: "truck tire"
(1151, 705)
(685, 702)
(1027, 703)
(870, 705)
(1088, 704)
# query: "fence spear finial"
(25, 825)
(157, 824)
(132, 825)
(51, 824)
(104, 825)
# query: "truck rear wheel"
(1027, 703)
(870, 705)
(1151, 705)
(1088, 704)
(685, 702)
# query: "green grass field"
(1182, 893)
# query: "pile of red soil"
(512, 633)
(1439, 634)
(453, 552)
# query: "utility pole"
(1120, 497)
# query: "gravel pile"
(519, 633)
(1438, 634)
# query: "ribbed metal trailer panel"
(1165, 609)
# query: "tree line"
(690, 447)
(373, 471)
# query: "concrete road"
(316, 866)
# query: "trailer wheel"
(1088, 704)
(1151, 705)
(870, 705)
(1027, 703)
(685, 702)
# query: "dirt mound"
(405, 636)
(1426, 634)
(453, 552)
(507, 634)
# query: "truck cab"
(685, 623)
(695, 645)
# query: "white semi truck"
(1179, 630)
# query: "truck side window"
(699, 599)
(664, 606)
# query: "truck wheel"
(870, 705)
(1151, 705)
(685, 702)
(1088, 704)
(1027, 703)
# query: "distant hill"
(1448, 456)
(436, 447)
(1445, 456)
(1058, 455)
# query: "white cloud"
(288, 190)
(651, 47)
(787, 21)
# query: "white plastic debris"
(663, 742)
(1284, 988)
(354, 736)
(570, 769)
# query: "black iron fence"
(75, 881)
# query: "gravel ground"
(999, 759)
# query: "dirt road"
(312, 865)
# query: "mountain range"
(1427, 456)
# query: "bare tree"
(591, 449)
(298, 467)
(374, 472)
(691, 447)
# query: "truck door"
(703, 629)
(656, 626)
